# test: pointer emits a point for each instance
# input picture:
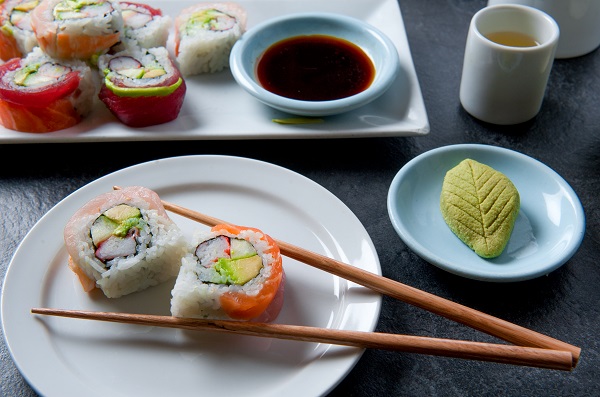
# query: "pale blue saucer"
(548, 230)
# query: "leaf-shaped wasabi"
(480, 205)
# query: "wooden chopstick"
(505, 354)
(446, 308)
(454, 311)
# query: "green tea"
(512, 39)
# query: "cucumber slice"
(241, 248)
(102, 229)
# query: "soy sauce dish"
(314, 64)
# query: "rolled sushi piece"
(123, 241)
(16, 35)
(41, 94)
(144, 26)
(230, 273)
(77, 29)
(204, 35)
(142, 87)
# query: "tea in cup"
(508, 57)
(579, 22)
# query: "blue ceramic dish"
(548, 230)
(250, 47)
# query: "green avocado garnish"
(139, 92)
(123, 228)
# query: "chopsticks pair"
(529, 348)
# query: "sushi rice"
(144, 26)
(205, 34)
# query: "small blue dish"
(548, 230)
(250, 47)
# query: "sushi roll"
(204, 35)
(144, 26)
(41, 94)
(123, 241)
(16, 35)
(142, 87)
(230, 273)
(77, 29)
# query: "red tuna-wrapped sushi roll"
(41, 94)
(16, 35)
(142, 87)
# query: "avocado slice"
(134, 92)
(122, 212)
(39, 74)
(133, 73)
(150, 73)
(26, 6)
(240, 271)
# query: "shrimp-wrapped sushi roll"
(16, 35)
(231, 273)
(205, 34)
(142, 87)
(41, 94)
(123, 241)
(77, 29)
(144, 26)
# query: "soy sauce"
(315, 68)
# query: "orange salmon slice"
(241, 306)
(57, 116)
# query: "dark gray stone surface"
(565, 136)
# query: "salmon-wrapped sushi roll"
(231, 273)
(79, 29)
(142, 87)
(40, 94)
(123, 241)
(16, 35)
(205, 34)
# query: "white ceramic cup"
(579, 22)
(503, 84)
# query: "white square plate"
(215, 107)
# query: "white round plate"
(72, 357)
(548, 230)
